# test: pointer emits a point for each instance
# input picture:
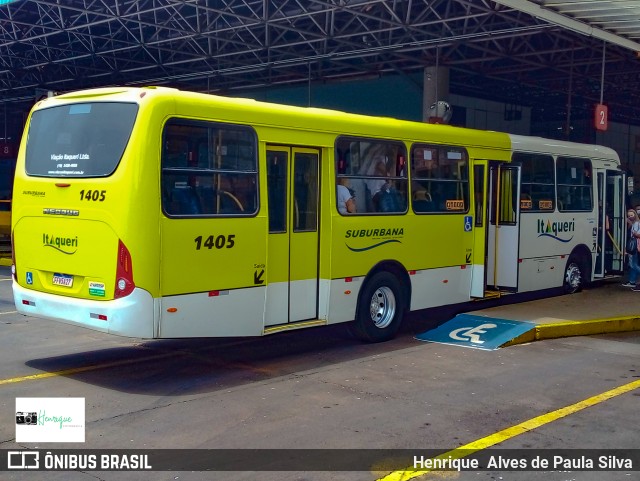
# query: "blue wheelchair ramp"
(478, 332)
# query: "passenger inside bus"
(422, 201)
(377, 184)
(384, 195)
(388, 199)
(346, 202)
(182, 199)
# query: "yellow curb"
(586, 328)
(577, 328)
(5, 261)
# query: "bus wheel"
(380, 309)
(573, 277)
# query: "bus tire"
(380, 309)
(573, 279)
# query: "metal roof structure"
(538, 52)
(619, 17)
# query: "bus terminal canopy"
(517, 51)
(613, 21)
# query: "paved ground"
(320, 389)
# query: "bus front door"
(504, 227)
(292, 252)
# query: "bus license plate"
(63, 280)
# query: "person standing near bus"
(633, 221)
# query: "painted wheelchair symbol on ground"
(471, 334)
(479, 332)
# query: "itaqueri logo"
(374, 237)
(557, 230)
(66, 245)
(50, 419)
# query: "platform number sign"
(7, 150)
(601, 117)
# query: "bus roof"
(303, 118)
(339, 122)
(523, 143)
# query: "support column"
(436, 87)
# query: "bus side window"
(440, 179)
(537, 189)
(574, 184)
(208, 169)
(376, 172)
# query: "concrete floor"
(320, 389)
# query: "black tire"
(380, 309)
(573, 280)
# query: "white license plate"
(63, 280)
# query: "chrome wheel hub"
(382, 308)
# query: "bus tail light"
(124, 272)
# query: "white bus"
(569, 225)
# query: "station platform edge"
(554, 330)
(604, 308)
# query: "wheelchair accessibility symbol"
(477, 332)
(468, 223)
(471, 334)
(29, 278)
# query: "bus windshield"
(79, 140)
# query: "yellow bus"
(7, 168)
(159, 213)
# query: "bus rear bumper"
(130, 316)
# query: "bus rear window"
(79, 140)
